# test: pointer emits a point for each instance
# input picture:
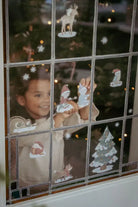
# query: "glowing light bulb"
(125, 135)
(49, 22)
(109, 20)
(77, 136)
(55, 81)
(132, 88)
(113, 11)
(41, 41)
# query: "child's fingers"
(86, 82)
(75, 107)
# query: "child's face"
(37, 98)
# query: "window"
(70, 93)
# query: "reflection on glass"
(30, 99)
(114, 23)
(74, 28)
(75, 142)
(30, 30)
(110, 77)
(105, 148)
(72, 93)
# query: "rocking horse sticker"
(68, 19)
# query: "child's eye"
(37, 95)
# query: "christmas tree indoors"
(105, 153)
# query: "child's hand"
(84, 98)
(87, 83)
(60, 117)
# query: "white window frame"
(121, 192)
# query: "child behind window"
(32, 115)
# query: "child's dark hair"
(19, 82)
(24, 77)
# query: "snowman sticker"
(64, 97)
(116, 80)
(83, 97)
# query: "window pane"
(77, 43)
(30, 99)
(114, 20)
(130, 136)
(30, 30)
(136, 31)
(28, 173)
(132, 101)
(111, 83)
(75, 142)
(105, 148)
(72, 89)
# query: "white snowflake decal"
(40, 48)
(117, 124)
(104, 40)
(26, 76)
(33, 69)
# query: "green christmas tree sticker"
(105, 153)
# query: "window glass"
(75, 144)
(74, 24)
(29, 30)
(114, 20)
(132, 102)
(30, 99)
(111, 82)
(70, 94)
(130, 145)
(72, 86)
(105, 148)
(136, 31)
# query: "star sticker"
(104, 40)
(33, 69)
(26, 76)
(40, 48)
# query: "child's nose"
(47, 98)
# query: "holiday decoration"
(130, 111)
(26, 76)
(104, 40)
(64, 175)
(117, 124)
(116, 80)
(68, 19)
(40, 48)
(64, 106)
(67, 135)
(105, 153)
(37, 150)
(19, 124)
(83, 97)
(33, 69)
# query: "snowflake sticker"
(40, 48)
(130, 111)
(117, 124)
(33, 69)
(26, 76)
(104, 40)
